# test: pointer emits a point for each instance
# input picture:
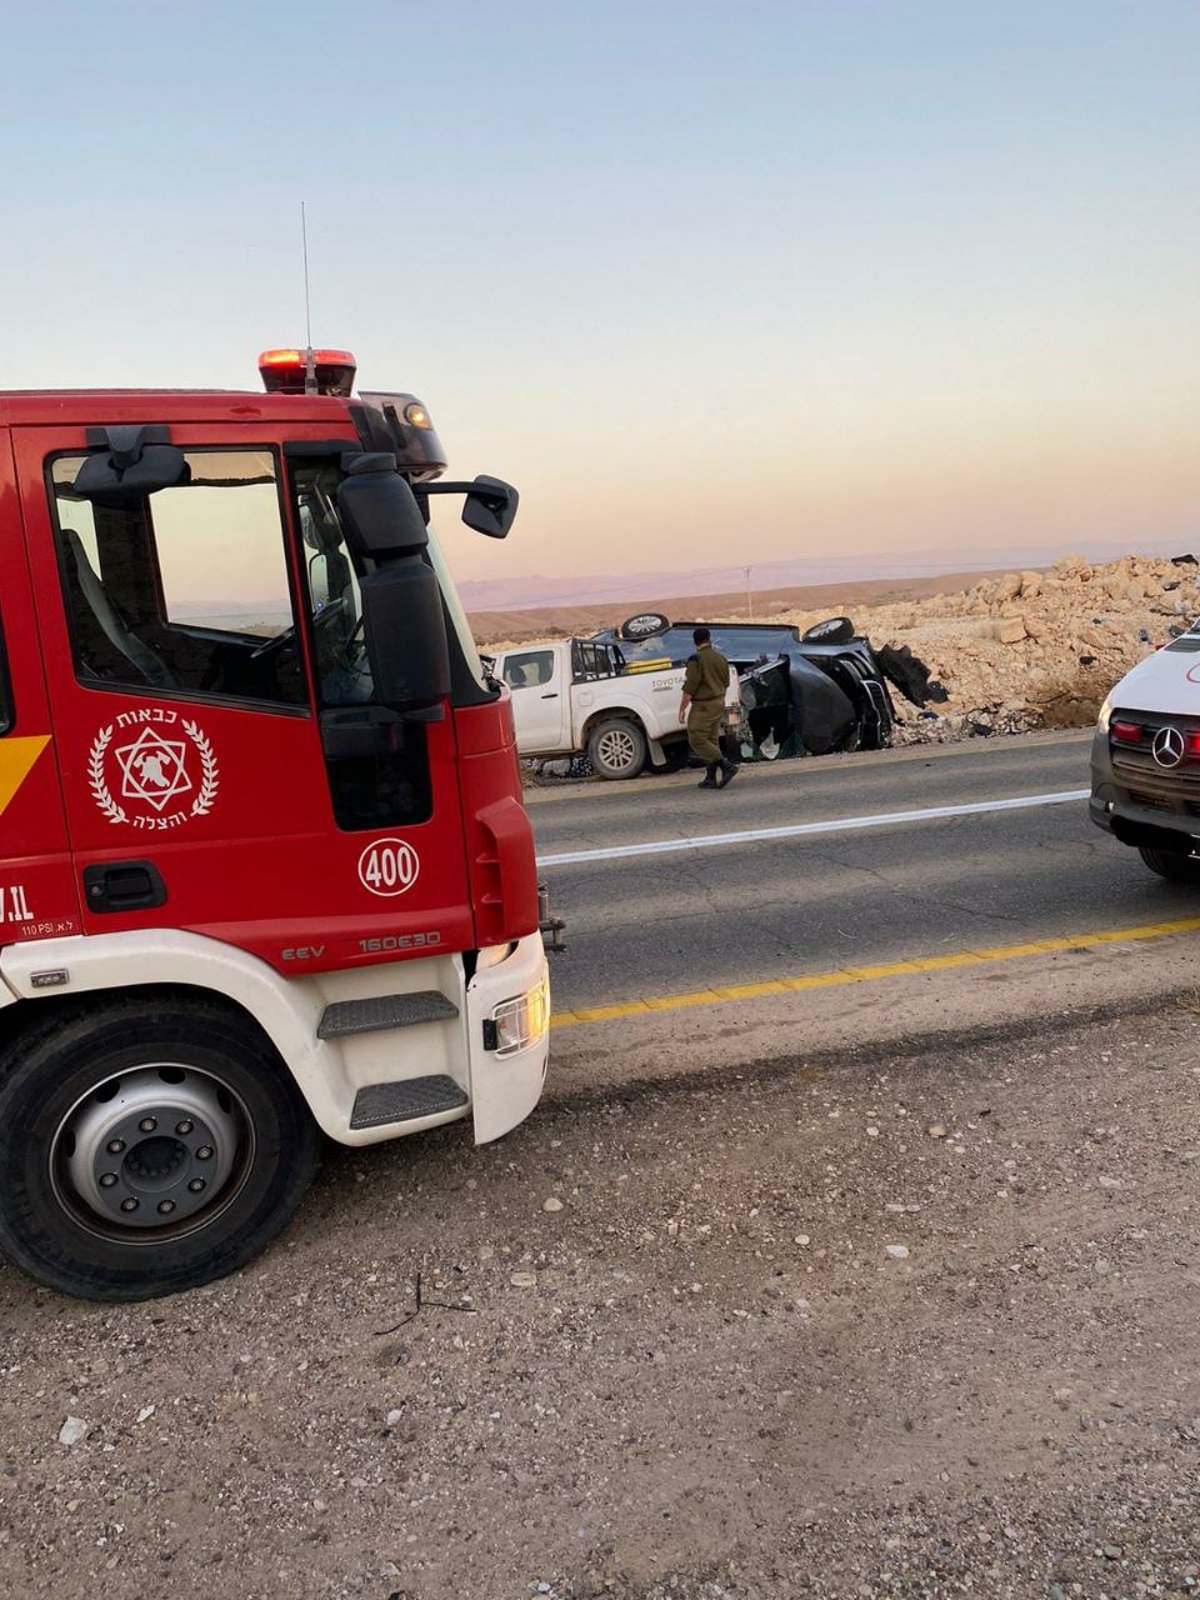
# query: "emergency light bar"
(286, 371)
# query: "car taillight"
(1126, 732)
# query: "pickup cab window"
(529, 669)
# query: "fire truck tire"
(1179, 868)
(147, 1149)
(617, 748)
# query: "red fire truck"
(265, 872)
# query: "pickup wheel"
(146, 1149)
(1179, 868)
(617, 748)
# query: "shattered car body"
(800, 695)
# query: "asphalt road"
(653, 925)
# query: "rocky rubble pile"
(1033, 649)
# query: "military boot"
(709, 781)
(729, 772)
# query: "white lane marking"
(882, 819)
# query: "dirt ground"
(502, 629)
(902, 1321)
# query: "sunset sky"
(710, 283)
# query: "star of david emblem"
(153, 769)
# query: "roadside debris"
(73, 1431)
(1029, 650)
(421, 1300)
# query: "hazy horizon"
(709, 284)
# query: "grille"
(1135, 769)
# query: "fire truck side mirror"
(490, 507)
(404, 629)
(378, 509)
(404, 622)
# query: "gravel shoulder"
(900, 1320)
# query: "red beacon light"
(287, 371)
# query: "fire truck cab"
(265, 871)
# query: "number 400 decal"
(389, 866)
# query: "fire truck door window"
(184, 590)
(381, 788)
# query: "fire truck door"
(37, 887)
(178, 630)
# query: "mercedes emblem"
(1168, 747)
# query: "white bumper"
(505, 1088)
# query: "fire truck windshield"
(343, 670)
(454, 609)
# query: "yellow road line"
(718, 996)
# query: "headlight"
(516, 1024)
(1103, 719)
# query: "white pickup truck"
(580, 696)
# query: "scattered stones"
(73, 1431)
(898, 1252)
(552, 1204)
(523, 1280)
(146, 1413)
(1031, 650)
(936, 1131)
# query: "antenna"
(310, 365)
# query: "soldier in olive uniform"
(703, 705)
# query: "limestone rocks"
(1027, 650)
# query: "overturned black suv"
(802, 693)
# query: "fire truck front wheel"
(147, 1148)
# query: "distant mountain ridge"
(533, 590)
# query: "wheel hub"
(150, 1148)
(617, 749)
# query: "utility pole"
(749, 602)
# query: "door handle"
(553, 695)
(123, 886)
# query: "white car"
(1146, 760)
